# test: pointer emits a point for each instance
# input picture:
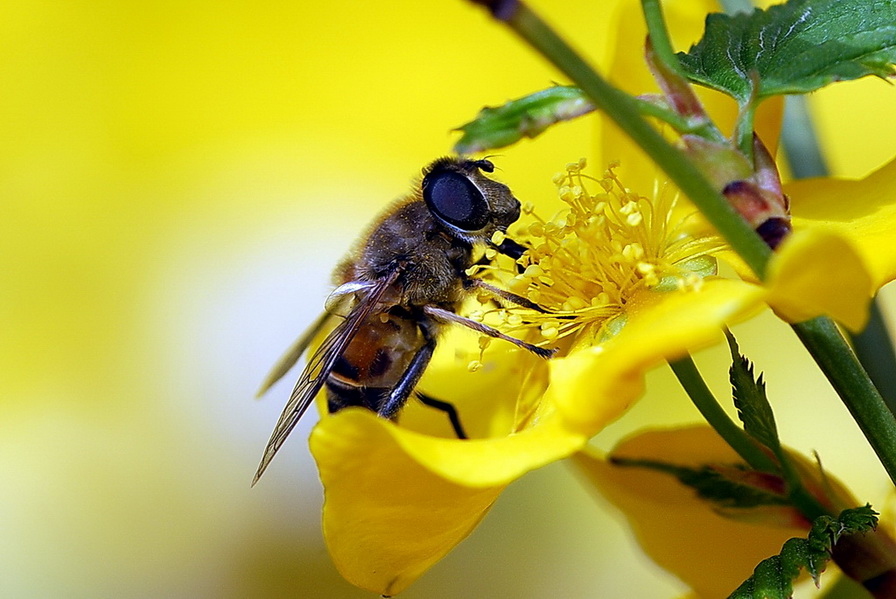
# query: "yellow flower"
(628, 283)
(398, 498)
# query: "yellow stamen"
(591, 261)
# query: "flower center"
(590, 264)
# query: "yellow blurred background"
(177, 181)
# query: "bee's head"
(465, 202)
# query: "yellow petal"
(594, 386)
(680, 532)
(817, 272)
(386, 518)
(864, 212)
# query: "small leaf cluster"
(773, 577)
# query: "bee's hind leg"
(446, 407)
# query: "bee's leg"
(446, 407)
(513, 298)
(511, 248)
(515, 250)
(447, 316)
(402, 391)
(508, 247)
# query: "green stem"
(662, 48)
(799, 141)
(735, 6)
(675, 120)
(874, 348)
(841, 367)
(743, 129)
(624, 111)
(799, 497)
(704, 400)
(681, 124)
(659, 35)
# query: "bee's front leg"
(513, 298)
(447, 316)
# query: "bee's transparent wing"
(320, 365)
(337, 304)
(295, 351)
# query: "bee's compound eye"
(453, 198)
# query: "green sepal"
(773, 577)
(794, 48)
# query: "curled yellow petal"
(471, 462)
(593, 386)
(386, 518)
(864, 212)
(397, 501)
(817, 272)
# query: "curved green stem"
(679, 123)
(841, 367)
(624, 111)
(704, 400)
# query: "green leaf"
(725, 486)
(496, 127)
(751, 401)
(773, 577)
(794, 48)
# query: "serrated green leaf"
(750, 399)
(773, 577)
(499, 126)
(794, 48)
(726, 487)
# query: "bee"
(400, 287)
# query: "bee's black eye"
(453, 198)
